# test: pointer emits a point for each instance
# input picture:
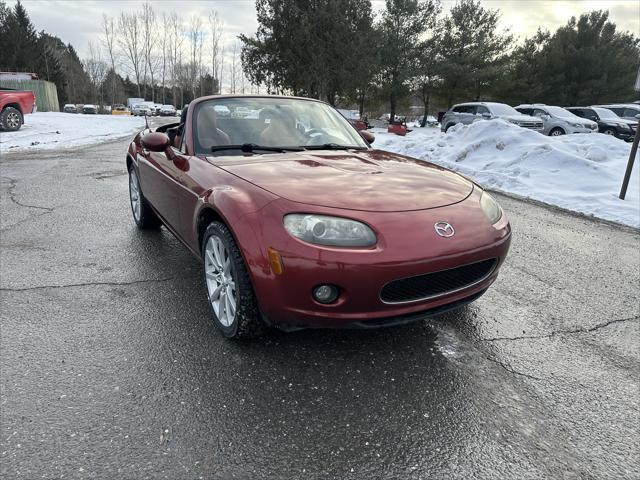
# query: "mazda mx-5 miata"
(300, 223)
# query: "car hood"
(616, 121)
(369, 180)
(521, 118)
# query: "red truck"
(14, 105)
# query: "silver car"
(141, 109)
(628, 111)
(558, 121)
(471, 112)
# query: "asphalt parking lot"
(111, 367)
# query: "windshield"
(606, 113)
(502, 109)
(561, 112)
(271, 122)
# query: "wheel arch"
(14, 105)
(205, 217)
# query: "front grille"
(532, 125)
(436, 283)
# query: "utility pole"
(634, 149)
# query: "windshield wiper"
(334, 146)
(252, 147)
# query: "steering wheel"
(310, 133)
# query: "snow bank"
(581, 172)
(50, 130)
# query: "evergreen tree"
(309, 48)
(587, 61)
(399, 31)
(472, 50)
(18, 39)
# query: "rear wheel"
(143, 214)
(11, 119)
(556, 132)
(446, 129)
(609, 131)
(229, 290)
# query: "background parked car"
(467, 113)
(167, 111)
(70, 108)
(141, 109)
(120, 110)
(628, 111)
(557, 120)
(608, 122)
(89, 108)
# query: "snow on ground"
(580, 172)
(51, 130)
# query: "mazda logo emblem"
(444, 229)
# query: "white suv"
(557, 120)
(470, 112)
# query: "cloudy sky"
(77, 22)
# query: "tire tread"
(247, 323)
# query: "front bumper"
(286, 300)
(625, 135)
(580, 130)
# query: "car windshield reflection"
(241, 125)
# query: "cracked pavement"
(111, 368)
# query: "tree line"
(338, 51)
(163, 58)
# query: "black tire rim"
(13, 120)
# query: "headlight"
(490, 208)
(325, 230)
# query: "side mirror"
(486, 115)
(155, 141)
(368, 136)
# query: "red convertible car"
(300, 223)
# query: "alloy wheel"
(13, 120)
(134, 195)
(221, 285)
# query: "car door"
(479, 113)
(631, 114)
(160, 182)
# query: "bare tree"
(196, 40)
(235, 68)
(130, 42)
(108, 39)
(96, 69)
(164, 59)
(216, 28)
(220, 73)
(175, 55)
(149, 39)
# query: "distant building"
(45, 92)
(21, 76)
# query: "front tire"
(229, 289)
(11, 119)
(556, 132)
(143, 214)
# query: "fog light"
(325, 293)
